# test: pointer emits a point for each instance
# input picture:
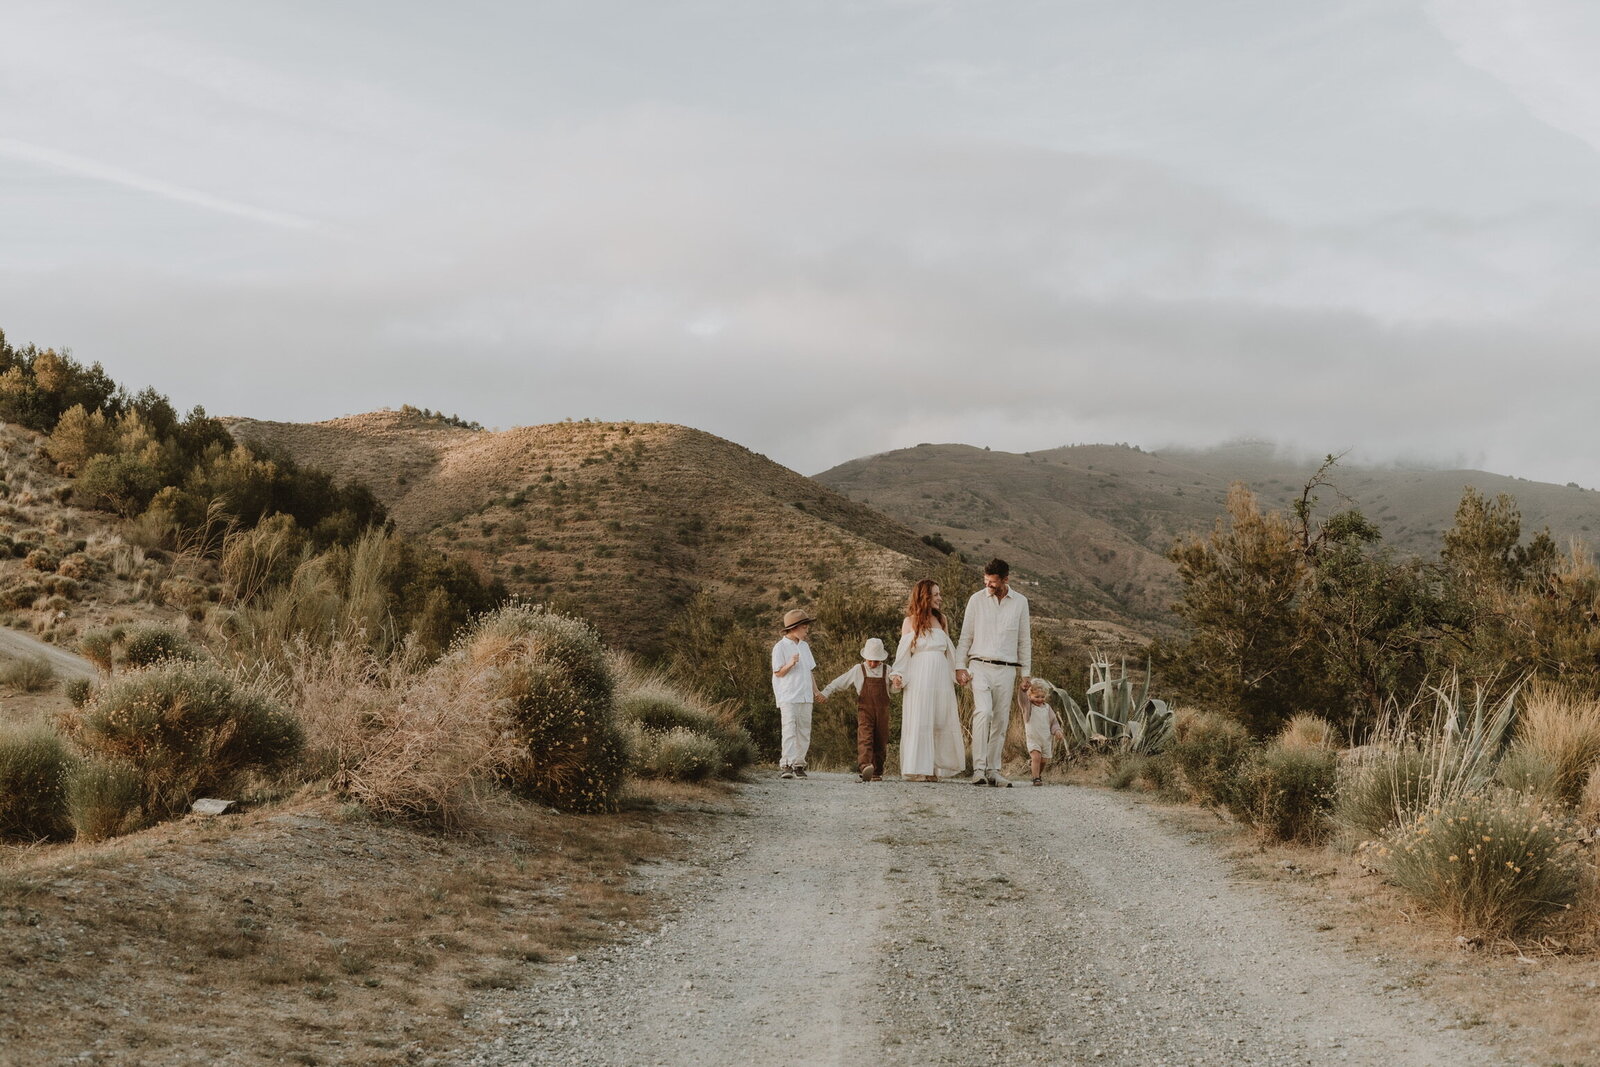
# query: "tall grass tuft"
(1494, 862)
(1589, 802)
(188, 729)
(35, 763)
(552, 682)
(1308, 731)
(1562, 731)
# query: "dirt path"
(909, 923)
(14, 645)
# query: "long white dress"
(930, 730)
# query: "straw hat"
(874, 650)
(795, 617)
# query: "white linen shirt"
(996, 629)
(797, 686)
(855, 678)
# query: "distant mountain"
(1090, 524)
(623, 522)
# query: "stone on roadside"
(211, 806)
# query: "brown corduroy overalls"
(872, 719)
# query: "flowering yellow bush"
(1494, 862)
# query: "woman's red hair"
(920, 609)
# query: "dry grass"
(307, 934)
(1309, 731)
(401, 738)
(1564, 731)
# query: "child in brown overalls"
(870, 680)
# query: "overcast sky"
(832, 227)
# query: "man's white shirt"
(996, 629)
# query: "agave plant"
(1118, 716)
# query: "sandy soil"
(917, 923)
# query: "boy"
(1043, 724)
(870, 680)
(795, 691)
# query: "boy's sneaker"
(800, 770)
(787, 772)
(867, 772)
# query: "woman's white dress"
(930, 730)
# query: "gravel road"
(14, 645)
(902, 923)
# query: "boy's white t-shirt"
(796, 687)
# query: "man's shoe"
(999, 781)
(788, 772)
(866, 772)
(979, 779)
(800, 771)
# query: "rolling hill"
(1090, 524)
(622, 522)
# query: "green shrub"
(20, 595)
(677, 754)
(1287, 790)
(558, 693)
(1493, 862)
(189, 730)
(1211, 750)
(658, 711)
(99, 647)
(1389, 786)
(35, 763)
(78, 690)
(31, 674)
(106, 798)
(147, 645)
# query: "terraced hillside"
(623, 522)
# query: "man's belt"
(996, 662)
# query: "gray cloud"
(946, 224)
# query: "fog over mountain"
(825, 230)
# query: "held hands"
(962, 677)
(896, 683)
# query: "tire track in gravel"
(908, 923)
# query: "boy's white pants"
(796, 733)
(992, 689)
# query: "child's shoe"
(788, 772)
(1038, 781)
(867, 773)
(799, 770)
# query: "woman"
(925, 666)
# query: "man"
(996, 643)
(795, 691)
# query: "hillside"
(1091, 523)
(623, 522)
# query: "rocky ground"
(903, 923)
